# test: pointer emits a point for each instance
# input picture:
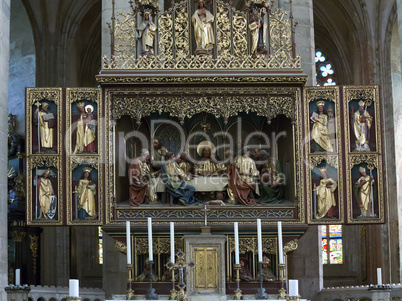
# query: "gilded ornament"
(120, 246)
(33, 245)
(18, 236)
(290, 246)
(317, 159)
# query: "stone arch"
(344, 36)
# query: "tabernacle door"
(206, 268)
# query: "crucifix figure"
(205, 215)
(180, 265)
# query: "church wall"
(22, 63)
(4, 59)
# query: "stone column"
(4, 59)
(397, 112)
(305, 44)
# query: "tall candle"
(150, 250)
(128, 242)
(259, 238)
(280, 243)
(293, 288)
(73, 289)
(17, 277)
(379, 276)
(236, 234)
(172, 253)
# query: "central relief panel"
(170, 156)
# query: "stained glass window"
(100, 245)
(324, 70)
(331, 244)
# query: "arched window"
(324, 70)
(332, 244)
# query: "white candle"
(293, 288)
(172, 253)
(379, 276)
(259, 238)
(150, 250)
(280, 243)
(73, 290)
(17, 277)
(236, 234)
(128, 242)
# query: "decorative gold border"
(373, 160)
(81, 94)
(48, 161)
(371, 94)
(335, 161)
(334, 158)
(74, 162)
(165, 94)
(39, 94)
(329, 93)
(106, 78)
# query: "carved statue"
(319, 133)
(86, 196)
(365, 193)
(47, 122)
(258, 28)
(204, 34)
(146, 32)
(158, 154)
(207, 164)
(244, 272)
(86, 128)
(46, 196)
(361, 121)
(139, 177)
(241, 178)
(185, 164)
(325, 195)
(267, 274)
(271, 186)
(173, 177)
(145, 276)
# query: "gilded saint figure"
(185, 164)
(207, 165)
(46, 122)
(86, 129)
(361, 121)
(146, 32)
(140, 175)
(319, 132)
(46, 198)
(241, 178)
(325, 196)
(365, 193)
(86, 192)
(203, 32)
(175, 179)
(258, 28)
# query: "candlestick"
(280, 243)
(282, 279)
(172, 253)
(259, 238)
(293, 288)
(238, 293)
(128, 242)
(73, 289)
(18, 277)
(150, 250)
(130, 291)
(379, 276)
(236, 234)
